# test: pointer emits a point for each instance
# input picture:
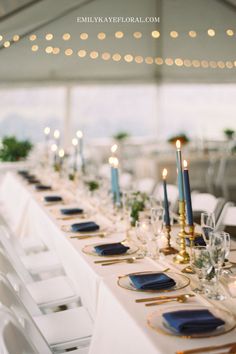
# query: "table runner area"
(120, 324)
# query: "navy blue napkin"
(42, 187)
(198, 241)
(84, 226)
(71, 211)
(192, 321)
(53, 198)
(111, 249)
(152, 281)
(33, 181)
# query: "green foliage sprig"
(14, 150)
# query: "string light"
(196, 63)
(174, 34)
(56, 50)
(179, 62)
(149, 60)
(187, 63)
(212, 64)
(7, 44)
(204, 64)
(128, 58)
(68, 52)
(106, 56)
(66, 36)
(15, 38)
(32, 37)
(34, 48)
(138, 59)
(169, 61)
(93, 54)
(192, 34)
(82, 53)
(137, 35)
(156, 34)
(84, 36)
(230, 32)
(49, 50)
(119, 34)
(116, 57)
(159, 61)
(211, 32)
(49, 36)
(101, 36)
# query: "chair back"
(12, 337)
(11, 274)
(11, 300)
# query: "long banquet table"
(120, 324)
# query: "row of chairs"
(38, 313)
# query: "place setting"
(85, 229)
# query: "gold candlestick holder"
(168, 249)
(191, 235)
(182, 257)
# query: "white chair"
(205, 202)
(225, 179)
(13, 339)
(36, 263)
(61, 330)
(49, 293)
(145, 185)
(227, 220)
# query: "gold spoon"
(180, 298)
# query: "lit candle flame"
(74, 141)
(164, 173)
(114, 148)
(110, 160)
(185, 164)
(79, 134)
(47, 130)
(56, 134)
(178, 144)
(61, 153)
(54, 147)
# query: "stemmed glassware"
(202, 265)
(207, 224)
(219, 246)
(145, 234)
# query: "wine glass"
(145, 235)
(207, 224)
(157, 215)
(218, 248)
(202, 265)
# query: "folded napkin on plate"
(152, 281)
(84, 226)
(42, 187)
(53, 198)
(192, 321)
(34, 181)
(198, 241)
(23, 172)
(111, 249)
(71, 211)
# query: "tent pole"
(67, 118)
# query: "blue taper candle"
(166, 202)
(179, 171)
(112, 178)
(116, 174)
(187, 191)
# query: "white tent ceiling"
(23, 17)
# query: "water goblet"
(207, 225)
(202, 265)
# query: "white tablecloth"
(120, 324)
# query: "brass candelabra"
(182, 257)
(168, 249)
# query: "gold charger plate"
(89, 249)
(156, 322)
(182, 281)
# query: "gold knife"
(116, 259)
(205, 349)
